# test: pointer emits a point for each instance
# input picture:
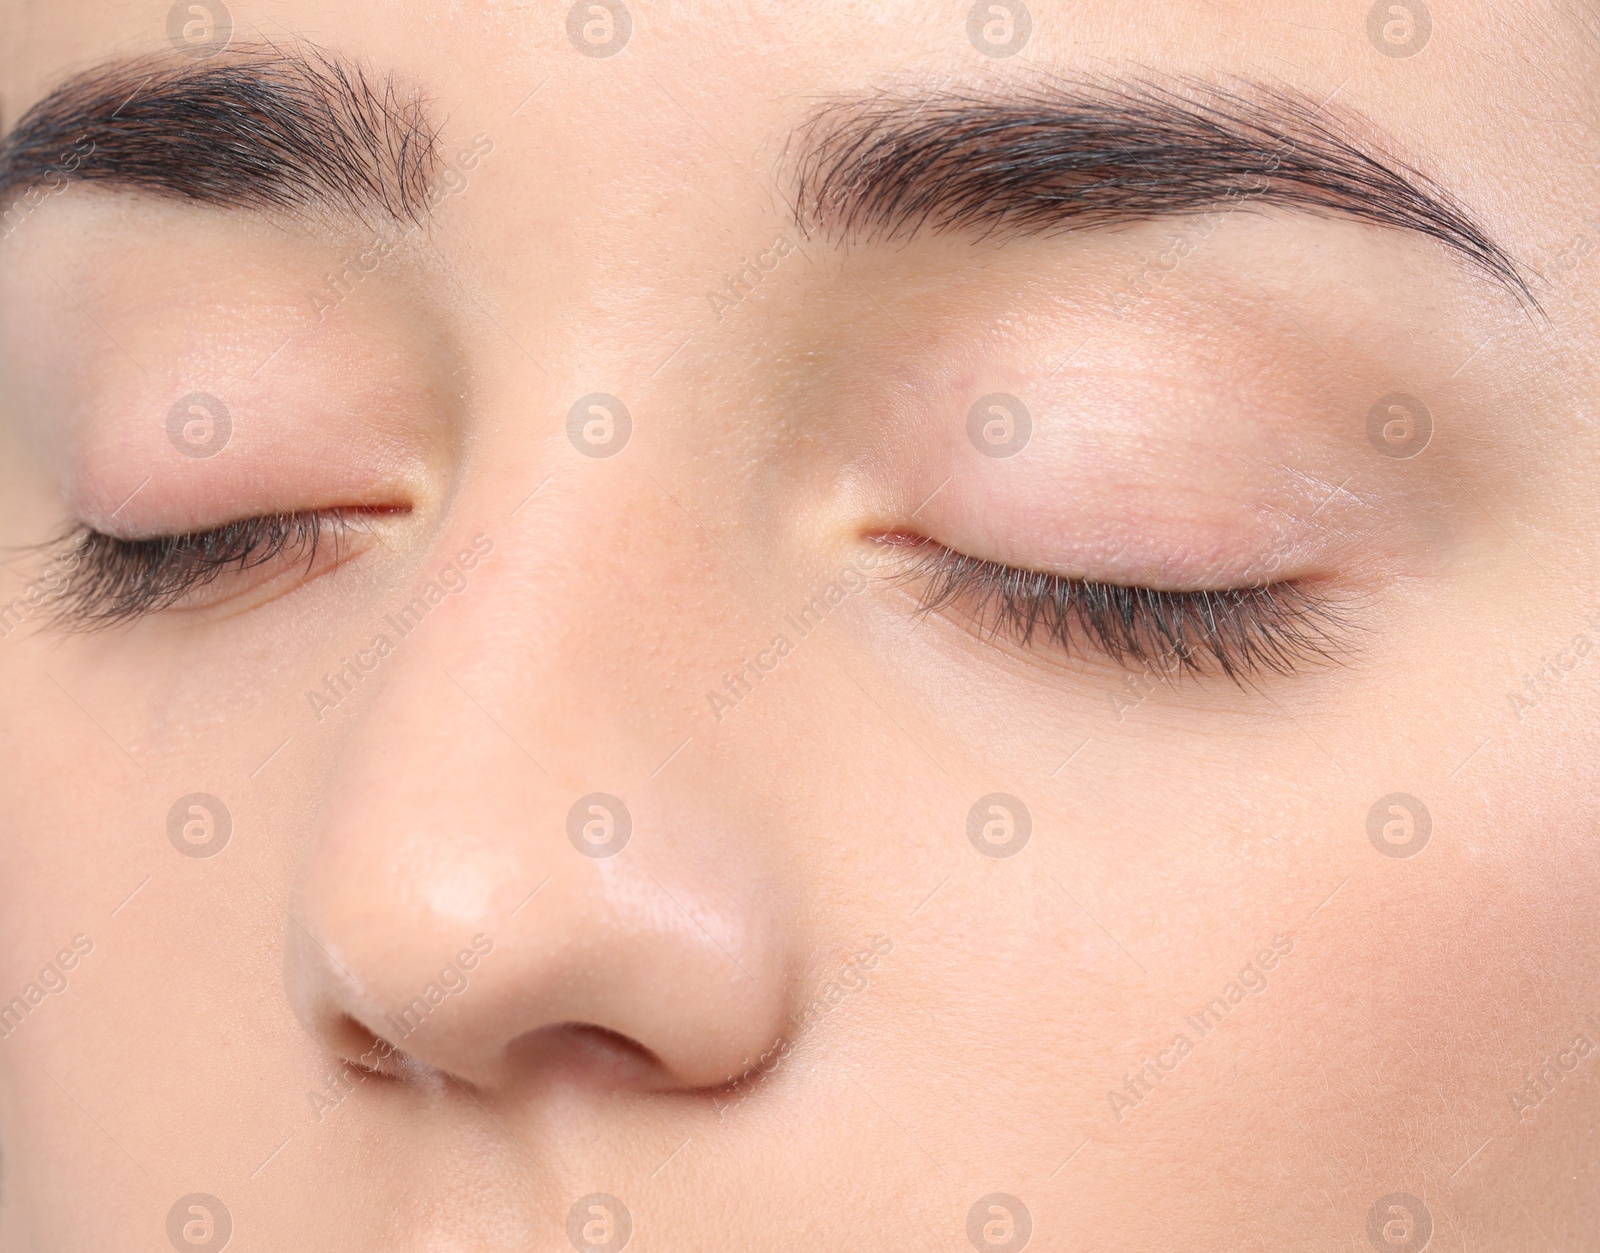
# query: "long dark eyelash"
(117, 580)
(1237, 632)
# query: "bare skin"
(1272, 954)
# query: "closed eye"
(1239, 632)
(116, 580)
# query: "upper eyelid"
(108, 594)
(1270, 628)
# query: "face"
(799, 626)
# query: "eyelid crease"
(1241, 633)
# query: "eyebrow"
(254, 127)
(1098, 154)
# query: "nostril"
(360, 1047)
(607, 978)
(584, 1053)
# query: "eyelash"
(118, 580)
(1238, 632)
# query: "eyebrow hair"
(1095, 154)
(254, 127)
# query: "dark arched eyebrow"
(253, 127)
(1092, 154)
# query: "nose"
(496, 915)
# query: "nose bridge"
(492, 823)
(408, 824)
(472, 698)
(409, 859)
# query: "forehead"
(1410, 53)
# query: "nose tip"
(498, 959)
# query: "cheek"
(62, 847)
(1456, 1004)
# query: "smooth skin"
(800, 1008)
